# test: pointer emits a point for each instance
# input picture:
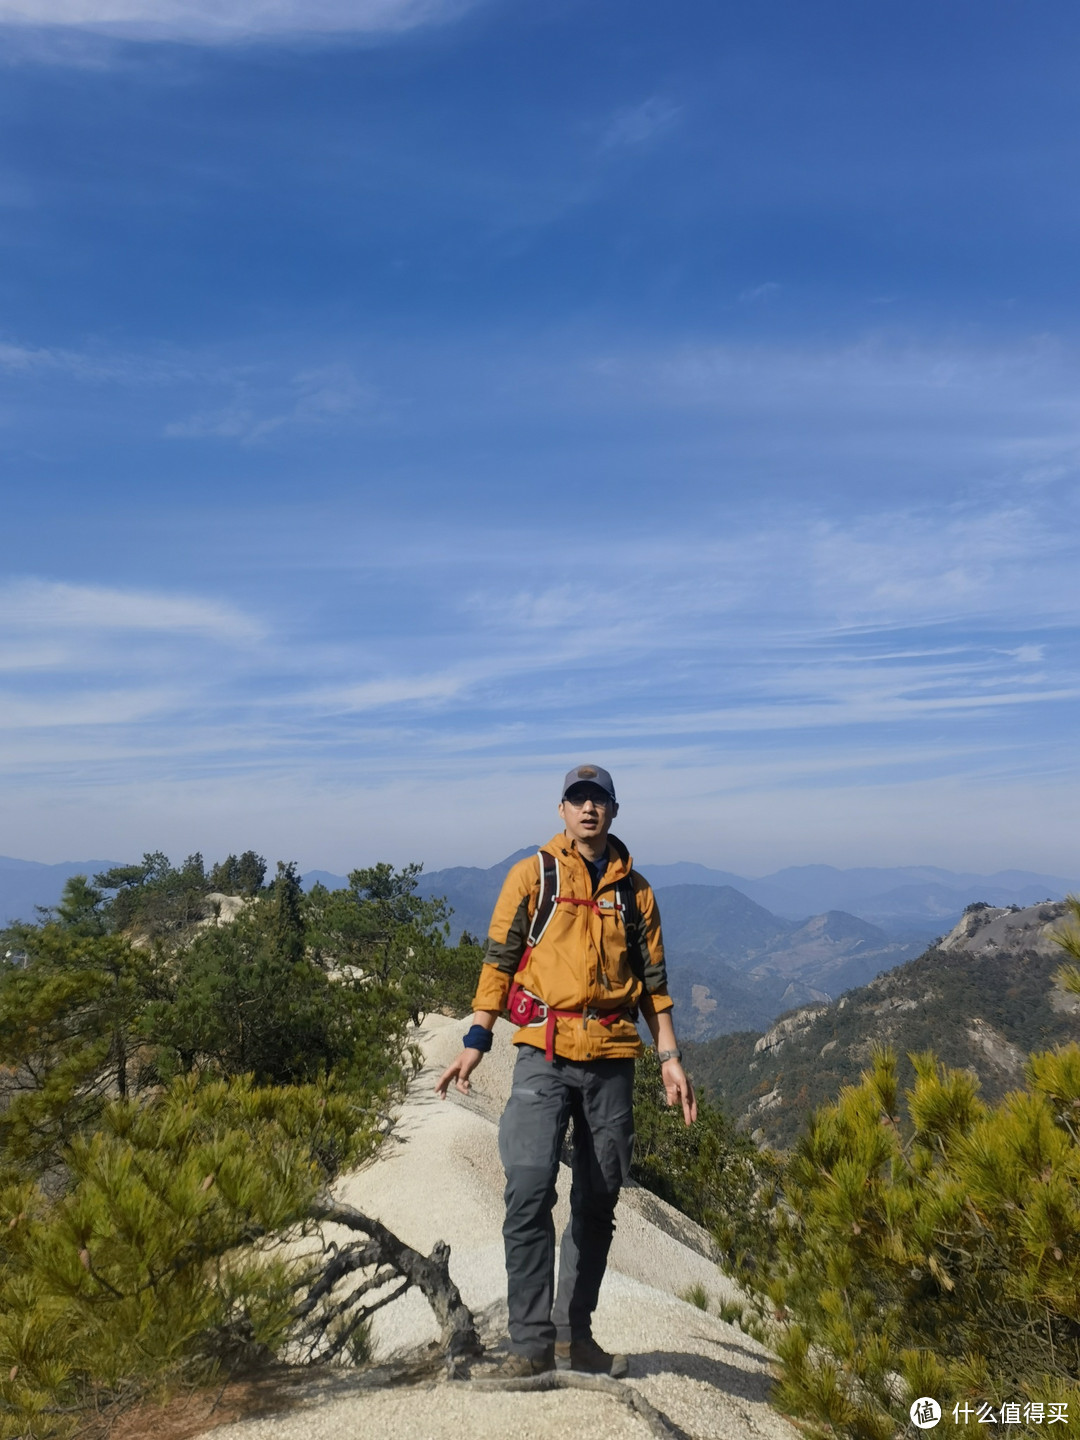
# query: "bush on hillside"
(175, 1097)
(938, 1258)
(165, 1253)
(706, 1170)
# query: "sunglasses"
(577, 798)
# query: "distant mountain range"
(741, 951)
(982, 1000)
(734, 965)
(919, 895)
(915, 901)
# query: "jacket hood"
(620, 861)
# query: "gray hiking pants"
(599, 1095)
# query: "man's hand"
(677, 1087)
(459, 1073)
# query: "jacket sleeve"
(508, 935)
(650, 947)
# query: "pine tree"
(243, 876)
(379, 928)
(174, 1116)
(71, 1016)
(251, 997)
(935, 1252)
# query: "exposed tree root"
(330, 1325)
(601, 1384)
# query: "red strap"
(573, 900)
(554, 1015)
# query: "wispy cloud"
(323, 395)
(746, 643)
(642, 124)
(208, 22)
(88, 365)
(55, 606)
(389, 692)
(878, 374)
(759, 292)
(109, 708)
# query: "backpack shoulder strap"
(627, 898)
(546, 898)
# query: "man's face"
(587, 812)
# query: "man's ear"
(614, 808)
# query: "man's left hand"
(677, 1087)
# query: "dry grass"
(194, 1412)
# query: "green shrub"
(165, 1253)
(938, 1257)
(175, 1098)
(706, 1170)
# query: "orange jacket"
(584, 960)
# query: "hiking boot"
(587, 1356)
(519, 1367)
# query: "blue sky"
(396, 411)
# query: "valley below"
(983, 999)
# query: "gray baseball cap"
(588, 775)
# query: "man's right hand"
(459, 1073)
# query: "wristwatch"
(663, 1055)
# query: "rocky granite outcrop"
(438, 1177)
(983, 929)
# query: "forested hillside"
(979, 1006)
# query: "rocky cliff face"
(983, 999)
(987, 929)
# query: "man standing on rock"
(574, 952)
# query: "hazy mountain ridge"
(736, 961)
(917, 897)
(982, 1000)
(25, 884)
(921, 898)
(734, 964)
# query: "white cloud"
(320, 396)
(876, 378)
(90, 366)
(212, 21)
(638, 125)
(390, 691)
(759, 292)
(52, 606)
(97, 707)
